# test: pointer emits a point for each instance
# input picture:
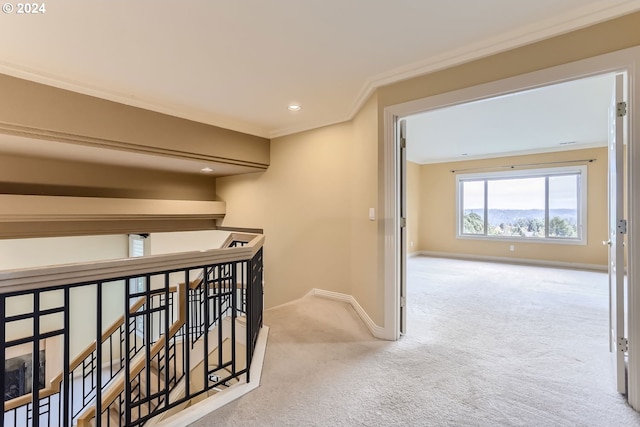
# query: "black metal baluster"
(35, 390)
(220, 296)
(127, 364)
(167, 307)
(147, 341)
(65, 358)
(249, 315)
(186, 366)
(205, 349)
(233, 285)
(3, 340)
(98, 354)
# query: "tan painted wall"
(302, 203)
(414, 198)
(313, 204)
(362, 177)
(596, 40)
(40, 176)
(438, 212)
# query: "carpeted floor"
(487, 345)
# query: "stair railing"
(48, 293)
(114, 395)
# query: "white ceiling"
(238, 64)
(564, 116)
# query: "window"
(136, 249)
(532, 205)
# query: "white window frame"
(581, 170)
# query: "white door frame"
(627, 60)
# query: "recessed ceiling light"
(206, 170)
(294, 107)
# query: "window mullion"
(486, 207)
(546, 207)
(460, 207)
(579, 211)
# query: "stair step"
(109, 418)
(241, 328)
(156, 377)
(143, 410)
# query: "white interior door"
(403, 225)
(617, 229)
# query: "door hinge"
(621, 109)
(403, 222)
(622, 226)
(623, 344)
(403, 301)
(403, 142)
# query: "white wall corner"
(376, 331)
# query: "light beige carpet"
(488, 345)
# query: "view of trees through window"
(527, 207)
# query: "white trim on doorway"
(627, 61)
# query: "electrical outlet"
(512, 248)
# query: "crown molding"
(543, 150)
(579, 18)
(89, 141)
(575, 20)
(290, 130)
(146, 103)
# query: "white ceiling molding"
(592, 13)
(181, 111)
(509, 154)
(589, 15)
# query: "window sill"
(576, 242)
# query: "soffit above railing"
(26, 208)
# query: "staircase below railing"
(152, 359)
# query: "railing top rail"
(68, 274)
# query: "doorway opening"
(608, 64)
(524, 172)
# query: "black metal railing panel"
(175, 337)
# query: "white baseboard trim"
(201, 409)
(376, 331)
(525, 261)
